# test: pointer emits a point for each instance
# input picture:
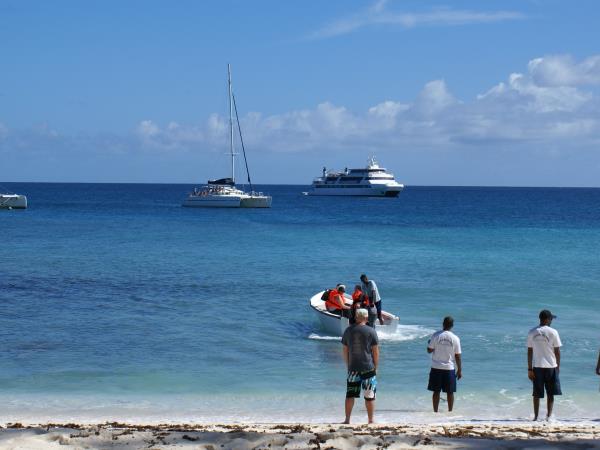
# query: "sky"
(488, 93)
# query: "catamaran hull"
(335, 325)
(256, 202)
(208, 201)
(13, 201)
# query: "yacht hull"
(356, 192)
(335, 325)
(212, 201)
(13, 201)
(257, 201)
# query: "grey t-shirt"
(360, 340)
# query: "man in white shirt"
(446, 364)
(369, 287)
(543, 362)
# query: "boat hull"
(256, 201)
(357, 192)
(13, 201)
(212, 201)
(335, 325)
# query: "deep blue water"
(115, 293)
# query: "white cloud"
(172, 137)
(523, 93)
(378, 15)
(561, 70)
(520, 109)
(147, 129)
(524, 112)
(434, 99)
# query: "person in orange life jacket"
(336, 303)
(361, 300)
(357, 302)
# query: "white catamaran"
(223, 193)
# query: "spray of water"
(399, 334)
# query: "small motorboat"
(13, 201)
(336, 325)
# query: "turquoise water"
(119, 304)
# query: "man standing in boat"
(369, 287)
(361, 355)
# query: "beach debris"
(189, 438)
(317, 441)
(424, 441)
(79, 435)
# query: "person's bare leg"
(536, 407)
(550, 405)
(349, 406)
(436, 401)
(370, 405)
(450, 397)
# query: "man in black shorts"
(543, 360)
(446, 363)
(361, 354)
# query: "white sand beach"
(483, 435)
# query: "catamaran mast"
(231, 125)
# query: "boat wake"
(320, 337)
(400, 334)
(403, 333)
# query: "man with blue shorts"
(543, 362)
(446, 364)
(361, 354)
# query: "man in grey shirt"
(369, 287)
(361, 354)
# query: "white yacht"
(13, 201)
(223, 193)
(372, 181)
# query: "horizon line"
(308, 185)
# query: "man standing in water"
(361, 354)
(370, 289)
(446, 363)
(543, 362)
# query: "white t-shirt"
(445, 344)
(543, 340)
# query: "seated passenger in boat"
(336, 304)
(359, 300)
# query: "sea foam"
(399, 334)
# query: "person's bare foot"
(380, 322)
(346, 422)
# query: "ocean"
(119, 304)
